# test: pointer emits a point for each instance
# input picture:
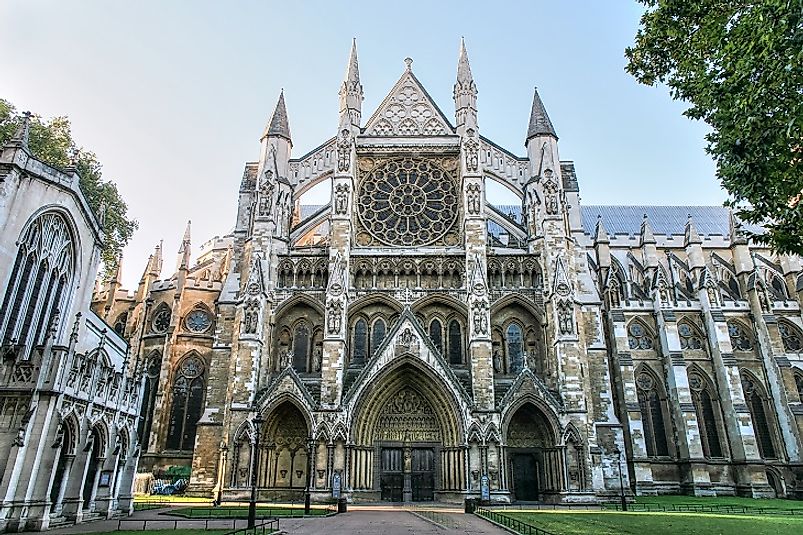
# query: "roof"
(664, 220)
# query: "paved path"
(365, 521)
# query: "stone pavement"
(364, 521)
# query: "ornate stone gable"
(408, 110)
(528, 384)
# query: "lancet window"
(515, 347)
(38, 289)
(187, 405)
(154, 368)
(757, 403)
(448, 339)
(367, 339)
(706, 407)
(791, 337)
(651, 403)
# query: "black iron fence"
(512, 523)
(260, 529)
(129, 524)
(731, 509)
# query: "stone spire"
(23, 131)
(184, 251)
(691, 236)
(647, 235)
(278, 124)
(154, 267)
(465, 90)
(540, 125)
(351, 95)
(600, 234)
(737, 237)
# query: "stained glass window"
(515, 348)
(198, 320)
(638, 337)
(455, 343)
(706, 415)
(791, 337)
(161, 320)
(652, 416)
(436, 335)
(757, 404)
(689, 337)
(360, 341)
(377, 335)
(740, 339)
(188, 395)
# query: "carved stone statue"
(344, 150)
(471, 150)
(550, 194)
(316, 359)
(497, 360)
(480, 319)
(473, 195)
(341, 198)
(566, 317)
(334, 318)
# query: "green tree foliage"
(739, 66)
(51, 141)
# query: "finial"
(22, 133)
(408, 61)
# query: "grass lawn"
(609, 523)
(238, 511)
(166, 532)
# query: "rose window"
(408, 202)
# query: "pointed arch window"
(120, 323)
(515, 348)
(777, 287)
(733, 284)
(152, 372)
(188, 399)
(799, 384)
(690, 337)
(759, 410)
(377, 335)
(652, 415)
(706, 408)
(36, 291)
(455, 343)
(161, 320)
(790, 335)
(301, 347)
(638, 336)
(436, 334)
(360, 341)
(740, 339)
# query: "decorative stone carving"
(566, 317)
(334, 316)
(250, 317)
(473, 198)
(550, 193)
(344, 150)
(408, 418)
(341, 199)
(408, 112)
(471, 150)
(480, 316)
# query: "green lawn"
(238, 511)
(610, 523)
(166, 532)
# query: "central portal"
(408, 474)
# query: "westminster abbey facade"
(408, 340)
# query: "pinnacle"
(601, 235)
(352, 69)
(540, 125)
(463, 66)
(647, 235)
(279, 125)
(23, 132)
(691, 234)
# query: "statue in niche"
(615, 294)
(497, 361)
(316, 359)
(763, 298)
(286, 360)
(250, 318)
(550, 193)
(471, 149)
(713, 292)
(344, 150)
(341, 198)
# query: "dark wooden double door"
(421, 474)
(525, 477)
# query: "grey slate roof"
(665, 220)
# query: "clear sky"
(173, 96)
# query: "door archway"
(534, 459)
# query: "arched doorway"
(283, 455)
(407, 439)
(535, 462)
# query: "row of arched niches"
(517, 335)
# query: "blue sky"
(173, 96)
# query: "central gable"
(408, 110)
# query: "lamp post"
(256, 422)
(618, 453)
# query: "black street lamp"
(618, 452)
(256, 422)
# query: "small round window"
(161, 321)
(198, 321)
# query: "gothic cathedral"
(410, 341)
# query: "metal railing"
(130, 524)
(510, 522)
(260, 529)
(238, 511)
(705, 508)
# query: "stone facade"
(69, 406)
(409, 340)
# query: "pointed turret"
(185, 250)
(600, 234)
(279, 125)
(540, 125)
(691, 236)
(646, 236)
(465, 91)
(647, 243)
(154, 266)
(20, 137)
(602, 245)
(351, 94)
(742, 259)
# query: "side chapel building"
(409, 341)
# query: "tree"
(51, 141)
(739, 66)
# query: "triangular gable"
(527, 383)
(408, 110)
(406, 337)
(287, 382)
